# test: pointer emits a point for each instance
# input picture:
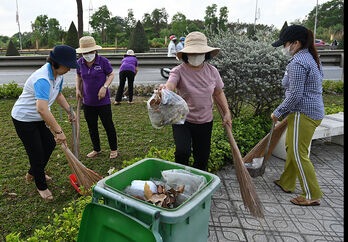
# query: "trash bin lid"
(102, 223)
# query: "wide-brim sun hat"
(130, 53)
(291, 34)
(64, 55)
(197, 43)
(87, 44)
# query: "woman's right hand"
(60, 138)
(162, 86)
(78, 94)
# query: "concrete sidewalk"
(230, 221)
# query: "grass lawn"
(24, 210)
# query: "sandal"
(301, 201)
(45, 194)
(30, 178)
(117, 103)
(130, 102)
(113, 154)
(93, 154)
(277, 183)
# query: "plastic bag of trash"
(137, 188)
(176, 178)
(166, 107)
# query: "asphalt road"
(145, 76)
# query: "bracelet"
(58, 132)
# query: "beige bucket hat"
(87, 44)
(130, 52)
(196, 43)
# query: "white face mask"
(196, 60)
(89, 57)
(287, 52)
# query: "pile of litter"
(173, 189)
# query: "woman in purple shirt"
(128, 70)
(96, 75)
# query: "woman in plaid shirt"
(303, 105)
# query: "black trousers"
(104, 112)
(196, 135)
(39, 144)
(123, 75)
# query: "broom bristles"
(84, 176)
(247, 189)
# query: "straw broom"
(85, 177)
(247, 189)
(259, 148)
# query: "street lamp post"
(19, 28)
(315, 22)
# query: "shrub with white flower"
(252, 71)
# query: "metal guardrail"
(159, 59)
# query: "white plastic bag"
(178, 177)
(137, 188)
(166, 107)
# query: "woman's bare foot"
(45, 194)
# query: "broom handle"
(234, 147)
(78, 109)
(73, 125)
(267, 147)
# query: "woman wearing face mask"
(303, 104)
(96, 75)
(31, 113)
(197, 82)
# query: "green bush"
(10, 90)
(65, 226)
(333, 109)
(138, 41)
(11, 49)
(72, 38)
(251, 70)
(248, 131)
(333, 87)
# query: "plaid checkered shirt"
(303, 87)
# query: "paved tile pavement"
(230, 221)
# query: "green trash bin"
(187, 222)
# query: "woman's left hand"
(101, 93)
(72, 118)
(274, 118)
(227, 120)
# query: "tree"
(40, 29)
(223, 18)
(11, 49)
(72, 38)
(330, 20)
(179, 24)
(210, 19)
(54, 32)
(159, 19)
(138, 41)
(100, 20)
(79, 18)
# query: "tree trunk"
(79, 18)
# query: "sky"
(272, 12)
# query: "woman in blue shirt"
(31, 113)
(303, 104)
